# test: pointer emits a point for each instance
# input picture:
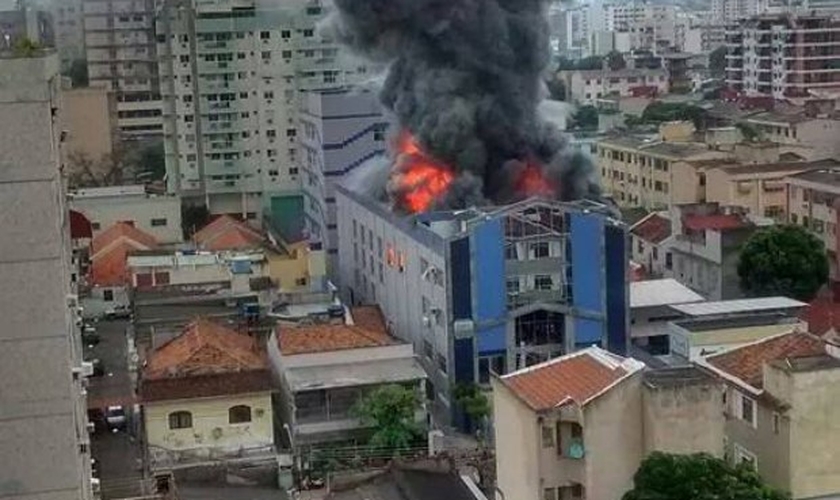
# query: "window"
(549, 493)
(745, 457)
(308, 33)
(669, 261)
(547, 437)
(268, 94)
(539, 250)
(287, 54)
(266, 55)
(95, 226)
(285, 34)
(239, 414)
(746, 409)
(542, 282)
(427, 349)
(291, 132)
(265, 35)
(777, 423)
(271, 134)
(441, 362)
(158, 222)
(180, 420)
(512, 285)
(108, 295)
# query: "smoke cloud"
(465, 78)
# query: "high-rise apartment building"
(728, 11)
(69, 30)
(783, 56)
(120, 48)
(232, 75)
(43, 416)
(341, 130)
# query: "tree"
(25, 47)
(389, 410)
(717, 62)
(665, 476)
(749, 131)
(615, 61)
(660, 112)
(783, 260)
(591, 62)
(78, 73)
(586, 118)
(149, 159)
(473, 401)
(193, 218)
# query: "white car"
(115, 417)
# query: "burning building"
(464, 82)
(486, 290)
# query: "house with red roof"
(109, 279)
(206, 394)
(707, 240)
(651, 239)
(324, 369)
(781, 403)
(578, 426)
(225, 233)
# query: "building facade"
(43, 410)
(157, 215)
(559, 438)
(69, 30)
(479, 291)
(341, 130)
(783, 56)
(121, 56)
(730, 11)
(232, 76)
(90, 120)
(812, 202)
(587, 86)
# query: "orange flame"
(422, 179)
(533, 183)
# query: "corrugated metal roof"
(661, 292)
(738, 305)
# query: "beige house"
(760, 188)
(651, 239)
(578, 426)
(781, 404)
(653, 173)
(586, 86)
(818, 134)
(812, 202)
(206, 395)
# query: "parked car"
(89, 335)
(120, 311)
(115, 417)
(98, 367)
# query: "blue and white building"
(487, 290)
(341, 130)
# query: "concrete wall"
(517, 446)
(43, 414)
(211, 429)
(95, 304)
(813, 433)
(612, 436)
(762, 193)
(771, 449)
(287, 270)
(107, 210)
(684, 418)
(89, 117)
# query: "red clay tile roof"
(370, 318)
(205, 386)
(654, 228)
(822, 314)
(325, 338)
(576, 377)
(111, 247)
(747, 362)
(227, 233)
(121, 231)
(715, 222)
(204, 348)
(206, 360)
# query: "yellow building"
(759, 188)
(206, 394)
(812, 202)
(653, 173)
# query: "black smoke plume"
(465, 78)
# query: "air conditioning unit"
(87, 368)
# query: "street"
(118, 455)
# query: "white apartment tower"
(44, 439)
(69, 30)
(341, 130)
(232, 72)
(120, 49)
(728, 11)
(784, 56)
